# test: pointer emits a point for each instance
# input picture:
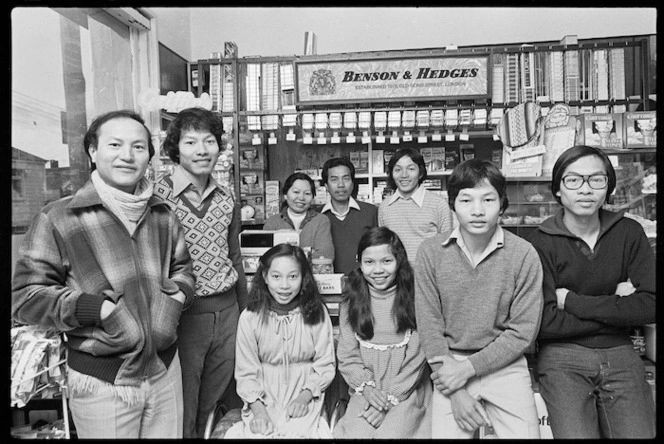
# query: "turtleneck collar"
(283, 309)
(383, 294)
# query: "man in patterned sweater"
(349, 219)
(478, 305)
(211, 221)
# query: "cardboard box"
(331, 283)
(640, 129)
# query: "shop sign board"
(382, 80)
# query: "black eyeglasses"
(595, 181)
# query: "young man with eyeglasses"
(599, 280)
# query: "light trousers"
(158, 414)
(508, 399)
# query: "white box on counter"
(331, 283)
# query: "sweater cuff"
(88, 308)
(186, 289)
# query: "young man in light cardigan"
(412, 212)
(211, 221)
(478, 302)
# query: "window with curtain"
(68, 66)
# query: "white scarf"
(127, 207)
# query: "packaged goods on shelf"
(640, 129)
(377, 164)
(271, 198)
(603, 130)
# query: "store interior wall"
(374, 29)
(174, 30)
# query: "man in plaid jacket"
(110, 268)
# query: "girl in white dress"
(284, 351)
(379, 351)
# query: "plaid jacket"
(77, 253)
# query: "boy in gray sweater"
(478, 304)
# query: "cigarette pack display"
(252, 183)
(377, 165)
(364, 163)
(497, 157)
(467, 151)
(355, 159)
(603, 130)
(640, 129)
(427, 155)
(251, 158)
(387, 155)
(258, 205)
(437, 160)
(271, 197)
(432, 184)
(437, 118)
(451, 157)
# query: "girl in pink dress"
(284, 351)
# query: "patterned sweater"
(212, 236)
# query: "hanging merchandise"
(520, 125)
(479, 117)
(408, 123)
(520, 132)
(559, 134)
(451, 118)
(422, 122)
(335, 126)
(465, 116)
(307, 127)
(380, 124)
(321, 126)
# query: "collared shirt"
(352, 203)
(496, 241)
(182, 184)
(417, 196)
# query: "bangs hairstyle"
(356, 293)
(91, 137)
(573, 154)
(310, 301)
(190, 119)
(472, 172)
(290, 180)
(415, 156)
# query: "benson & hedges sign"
(430, 78)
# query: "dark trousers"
(206, 343)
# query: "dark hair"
(415, 156)
(356, 292)
(290, 180)
(335, 162)
(198, 119)
(472, 172)
(573, 154)
(91, 137)
(310, 301)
